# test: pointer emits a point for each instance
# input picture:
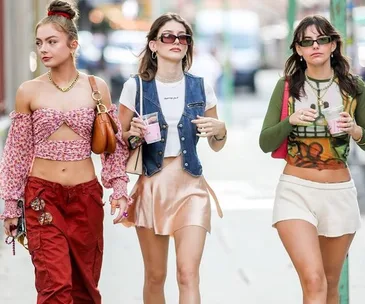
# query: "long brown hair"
(295, 68)
(148, 65)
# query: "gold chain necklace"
(63, 89)
(317, 93)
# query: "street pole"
(291, 16)
(228, 86)
(338, 16)
(338, 19)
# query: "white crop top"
(172, 101)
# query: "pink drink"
(332, 114)
(153, 133)
(334, 130)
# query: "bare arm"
(22, 98)
(131, 126)
(125, 118)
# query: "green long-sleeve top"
(312, 146)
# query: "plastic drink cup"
(332, 114)
(153, 132)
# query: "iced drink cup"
(153, 132)
(332, 115)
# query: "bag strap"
(140, 96)
(285, 101)
(96, 95)
(93, 84)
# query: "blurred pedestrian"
(316, 211)
(47, 160)
(171, 198)
(207, 66)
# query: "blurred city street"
(240, 47)
(244, 261)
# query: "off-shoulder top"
(28, 138)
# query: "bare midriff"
(66, 173)
(320, 176)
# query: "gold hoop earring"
(154, 55)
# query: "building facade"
(2, 72)
(18, 19)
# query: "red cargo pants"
(65, 239)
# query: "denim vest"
(195, 100)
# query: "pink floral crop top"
(47, 120)
(28, 138)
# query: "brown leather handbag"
(104, 129)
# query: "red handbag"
(282, 151)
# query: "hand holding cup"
(137, 128)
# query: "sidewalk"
(244, 261)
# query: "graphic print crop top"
(312, 145)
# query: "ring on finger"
(301, 117)
(115, 205)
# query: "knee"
(314, 283)
(155, 278)
(187, 276)
(332, 284)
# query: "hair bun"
(64, 7)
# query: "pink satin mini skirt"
(170, 199)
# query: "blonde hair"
(63, 15)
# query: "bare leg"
(154, 251)
(189, 245)
(334, 252)
(300, 240)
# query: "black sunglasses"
(320, 41)
(168, 38)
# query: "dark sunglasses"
(184, 39)
(320, 41)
